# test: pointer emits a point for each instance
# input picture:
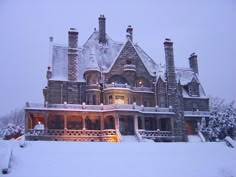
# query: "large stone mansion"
(107, 90)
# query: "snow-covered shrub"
(12, 121)
(13, 131)
(39, 129)
(222, 122)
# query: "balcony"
(114, 85)
(142, 89)
(93, 87)
(196, 113)
(100, 108)
(129, 67)
(135, 89)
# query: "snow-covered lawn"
(73, 159)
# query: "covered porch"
(70, 126)
(98, 122)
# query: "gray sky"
(205, 27)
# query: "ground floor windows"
(109, 122)
(74, 123)
(150, 123)
(165, 124)
(92, 124)
(56, 122)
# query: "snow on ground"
(194, 138)
(74, 159)
(129, 138)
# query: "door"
(126, 126)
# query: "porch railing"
(98, 107)
(153, 134)
(67, 132)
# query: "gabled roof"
(101, 57)
(93, 53)
(185, 75)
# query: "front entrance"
(126, 125)
(191, 127)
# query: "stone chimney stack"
(129, 32)
(174, 100)
(193, 62)
(170, 74)
(102, 29)
(72, 54)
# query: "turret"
(92, 76)
(72, 54)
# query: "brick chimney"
(129, 32)
(193, 63)
(102, 29)
(72, 54)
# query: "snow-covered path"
(62, 159)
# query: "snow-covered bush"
(15, 117)
(222, 121)
(13, 131)
(39, 129)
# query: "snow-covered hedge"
(13, 131)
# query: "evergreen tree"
(222, 121)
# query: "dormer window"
(194, 88)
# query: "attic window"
(128, 62)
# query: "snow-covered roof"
(93, 55)
(59, 62)
(101, 57)
(185, 75)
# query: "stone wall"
(161, 93)
(65, 91)
(129, 54)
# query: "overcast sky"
(205, 27)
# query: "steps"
(129, 138)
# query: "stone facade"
(115, 89)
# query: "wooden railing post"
(84, 124)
